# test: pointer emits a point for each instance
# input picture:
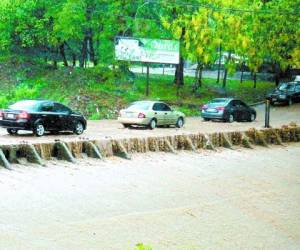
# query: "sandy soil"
(240, 199)
(280, 115)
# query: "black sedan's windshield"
(25, 105)
(286, 86)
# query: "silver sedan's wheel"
(39, 130)
(78, 129)
(231, 118)
(153, 124)
(179, 123)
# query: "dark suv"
(40, 116)
(288, 93)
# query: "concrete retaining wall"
(42, 152)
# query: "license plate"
(10, 116)
(212, 111)
(274, 99)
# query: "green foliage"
(25, 90)
(85, 29)
(141, 246)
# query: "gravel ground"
(280, 115)
(211, 200)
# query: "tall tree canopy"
(251, 32)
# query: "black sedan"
(228, 109)
(287, 93)
(40, 116)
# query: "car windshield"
(285, 86)
(139, 106)
(25, 105)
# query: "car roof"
(226, 99)
(148, 101)
(34, 100)
(37, 101)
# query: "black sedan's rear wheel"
(12, 131)
(230, 118)
(39, 129)
(252, 117)
(78, 128)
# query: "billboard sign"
(147, 50)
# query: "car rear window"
(25, 105)
(219, 101)
(139, 106)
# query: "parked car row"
(40, 116)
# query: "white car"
(150, 114)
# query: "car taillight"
(204, 107)
(23, 115)
(141, 115)
(220, 108)
(1, 115)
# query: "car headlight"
(282, 96)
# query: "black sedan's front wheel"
(12, 131)
(78, 128)
(39, 129)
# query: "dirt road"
(111, 128)
(185, 201)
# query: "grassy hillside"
(99, 92)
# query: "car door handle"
(166, 113)
(155, 113)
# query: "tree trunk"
(219, 63)
(179, 73)
(73, 60)
(200, 76)
(63, 54)
(55, 63)
(277, 74)
(92, 51)
(196, 80)
(55, 58)
(254, 80)
(242, 72)
(83, 52)
(226, 71)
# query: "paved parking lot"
(280, 115)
